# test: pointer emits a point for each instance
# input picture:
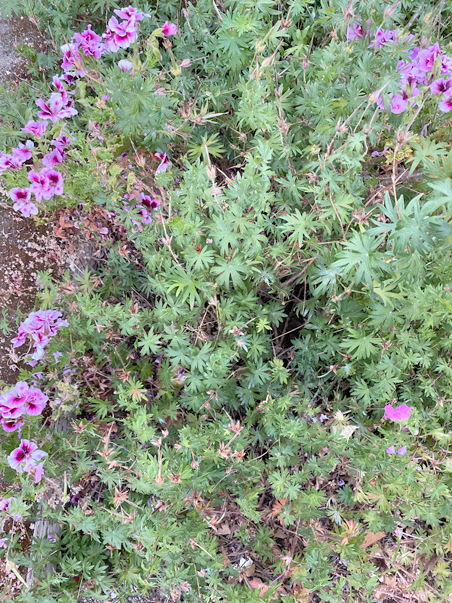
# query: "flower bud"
(259, 46)
(389, 11)
(185, 63)
(266, 62)
(373, 98)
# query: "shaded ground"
(14, 31)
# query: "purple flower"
(25, 457)
(55, 109)
(401, 413)
(390, 450)
(125, 65)
(53, 159)
(169, 29)
(129, 13)
(402, 451)
(383, 36)
(441, 86)
(426, 58)
(89, 43)
(105, 97)
(148, 202)
(61, 89)
(398, 104)
(22, 154)
(23, 203)
(355, 31)
(35, 127)
(55, 182)
(164, 162)
(380, 153)
(61, 142)
(20, 194)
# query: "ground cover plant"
(257, 373)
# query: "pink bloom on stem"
(35, 127)
(355, 31)
(125, 65)
(55, 108)
(169, 29)
(445, 105)
(401, 413)
(148, 201)
(90, 43)
(39, 185)
(130, 12)
(10, 425)
(441, 86)
(120, 35)
(53, 159)
(25, 457)
(164, 162)
(61, 89)
(20, 194)
(402, 451)
(390, 450)
(38, 471)
(55, 182)
(36, 402)
(27, 208)
(398, 104)
(426, 58)
(61, 142)
(9, 162)
(72, 58)
(22, 154)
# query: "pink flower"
(8, 162)
(390, 450)
(10, 425)
(402, 451)
(169, 29)
(20, 194)
(125, 66)
(55, 109)
(90, 43)
(148, 202)
(401, 413)
(426, 58)
(38, 471)
(120, 35)
(35, 127)
(5, 504)
(355, 31)
(441, 86)
(25, 457)
(445, 105)
(398, 104)
(55, 182)
(164, 162)
(39, 185)
(71, 57)
(129, 13)
(22, 154)
(61, 142)
(53, 159)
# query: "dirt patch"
(15, 31)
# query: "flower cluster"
(41, 325)
(145, 205)
(26, 459)
(20, 400)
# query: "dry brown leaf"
(371, 539)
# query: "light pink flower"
(55, 108)
(10, 425)
(36, 402)
(426, 58)
(445, 105)
(129, 13)
(35, 127)
(61, 142)
(22, 154)
(55, 182)
(125, 65)
(90, 43)
(390, 450)
(120, 35)
(164, 162)
(39, 185)
(20, 194)
(71, 56)
(402, 451)
(401, 413)
(53, 159)
(441, 86)
(398, 104)
(169, 29)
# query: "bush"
(260, 371)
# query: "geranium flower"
(130, 12)
(22, 154)
(39, 185)
(55, 182)
(120, 35)
(35, 127)
(148, 201)
(390, 450)
(441, 86)
(426, 58)
(55, 108)
(355, 31)
(72, 58)
(401, 413)
(8, 162)
(61, 142)
(10, 425)
(402, 451)
(125, 65)
(445, 105)
(398, 104)
(53, 159)
(164, 162)
(25, 457)
(169, 29)
(90, 43)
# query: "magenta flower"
(355, 31)
(55, 182)
(401, 413)
(39, 185)
(89, 43)
(426, 58)
(53, 159)
(445, 105)
(8, 162)
(61, 89)
(71, 58)
(61, 142)
(22, 154)
(164, 162)
(398, 104)
(169, 29)
(129, 13)
(402, 451)
(390, 450)
(20, 194)
(148, 201)
(125, 65)
(55, 109)
(10, 425)
(441, 86)
(25, 457)
(120, 35)
(35, 127)
(41, 326)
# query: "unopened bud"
(402, 137)
(341, 128)
(389, 11)
(428, 18)
(211, 171)
(266, 62)
(373, 98)
(185, 63)
(259, 46)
